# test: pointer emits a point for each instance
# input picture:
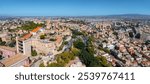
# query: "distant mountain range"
(130, 16)
(119, 16)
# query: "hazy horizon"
(73, 7)
(77, 15)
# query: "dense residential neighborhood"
(74, 42)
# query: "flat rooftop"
(12, 60)
(8, 48)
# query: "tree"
(2, 43)
(62, 59)
(1, 57)
(134, 30)
(95, 63)
(75, 51)
(66, 42)
(76, 32)
(147, 42)
(105, 41)
(131, 34)
(56, 65)
(87, 53)
(12, 44)
(85, 57)
(52, 39)
(90, 50)
(42, 37)
(74, 36)
(116, 47)
(66, 56)
(115, 33)
(91, 61)
(41, 65)
(106, 50)
(1, 40)
(29, 25)
(79, 44)
(33, 53)
(138, 36)
(91, 38)
(103, 61)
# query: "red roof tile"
(26, 36)
(36, 29)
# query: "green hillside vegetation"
(87, 54)
(30, 25)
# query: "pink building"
(7, 52)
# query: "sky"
(73, 7)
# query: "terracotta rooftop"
(58, 39)
(36, 29)
(29, 34)
(12, 60)
(26, 36)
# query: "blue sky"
(73, 7)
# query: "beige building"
(42, 46)
(23, 46)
